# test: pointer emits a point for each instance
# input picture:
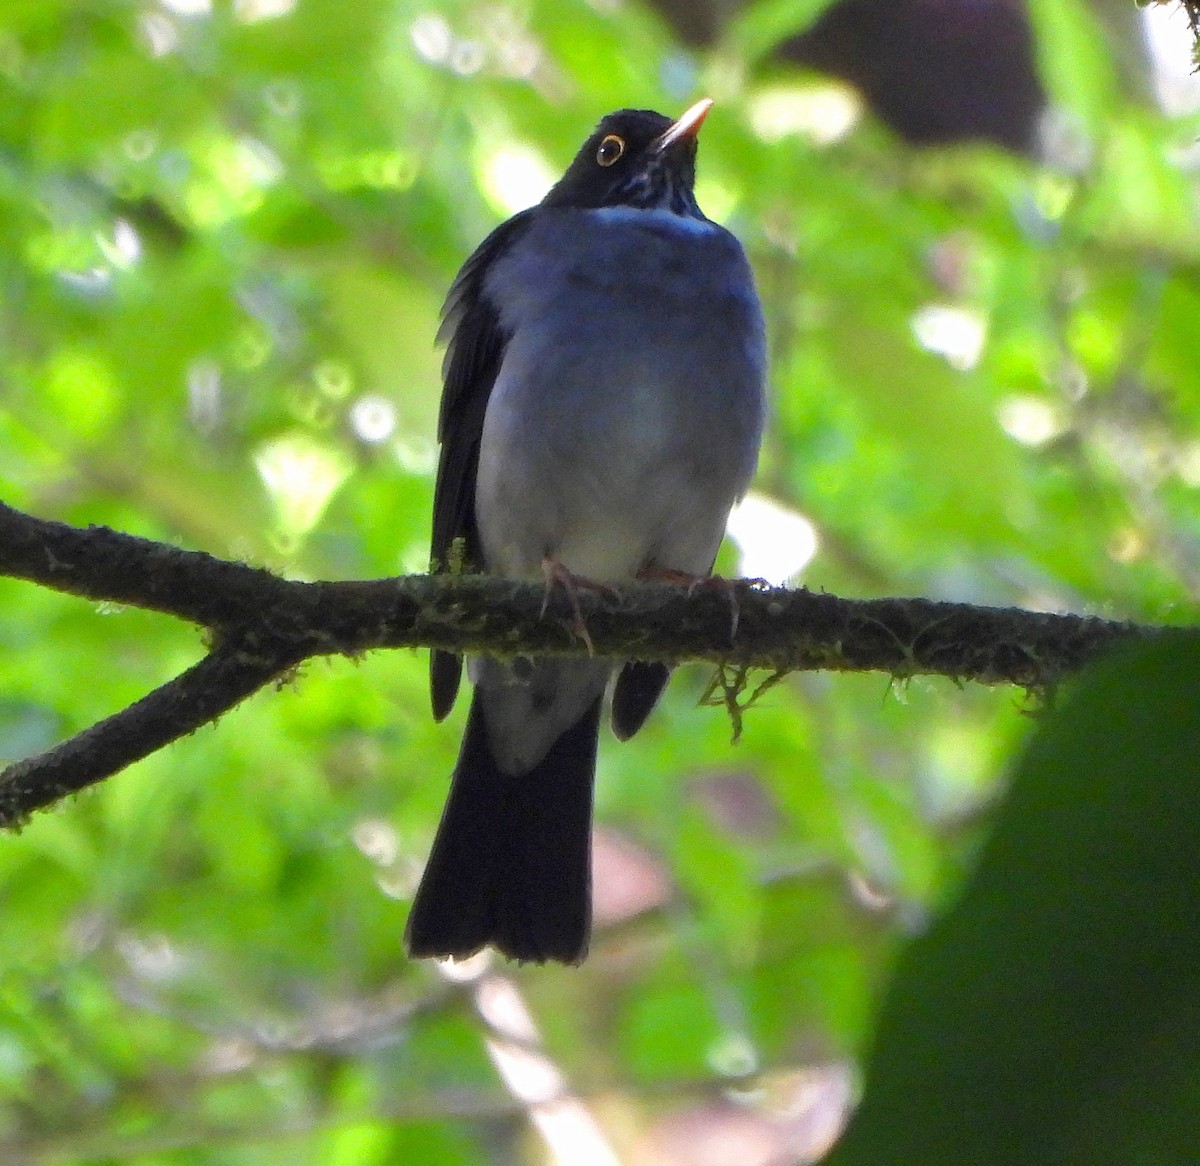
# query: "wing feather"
(475, 342)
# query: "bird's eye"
(611, 148)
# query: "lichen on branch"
(261, 626)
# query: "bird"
(603, 403)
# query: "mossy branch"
(261, 626)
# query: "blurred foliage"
(225, 232)
(1052, 1015)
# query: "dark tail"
(511, 863)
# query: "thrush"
(602, 410)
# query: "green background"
(225, 234)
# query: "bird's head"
(636, 158)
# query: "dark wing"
(639, 685)
(474, 348)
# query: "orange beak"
(688, 126)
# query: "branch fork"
(261, 627)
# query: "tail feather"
(511, 863)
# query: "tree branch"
(262, 626)
(104, 565)
(225, 677)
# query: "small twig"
(1192, 8)
(224, 678)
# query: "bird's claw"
(695, 583)
(556, 574)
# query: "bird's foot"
(556, 574)
(694, 583)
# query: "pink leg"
(693, 583)
(556, 574)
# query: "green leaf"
(1053, 1016)
(760, 27)
(1075, 66)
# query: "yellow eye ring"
(611, 148)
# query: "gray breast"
(628, 410)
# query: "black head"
(636, 158)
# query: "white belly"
(626, 417)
